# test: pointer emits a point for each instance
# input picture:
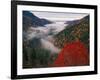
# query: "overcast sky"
(59, 16)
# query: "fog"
(45, 34)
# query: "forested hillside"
(79, 31)
(43, 40)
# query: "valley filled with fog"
(44, 35)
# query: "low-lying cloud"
(45, 34)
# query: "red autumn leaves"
(73, 54)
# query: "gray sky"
(59, 16)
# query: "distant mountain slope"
(71, 23)
(75, 32)
(29, 19)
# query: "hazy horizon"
(56, 16)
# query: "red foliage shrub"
(73, 54)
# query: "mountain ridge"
(29, 19)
